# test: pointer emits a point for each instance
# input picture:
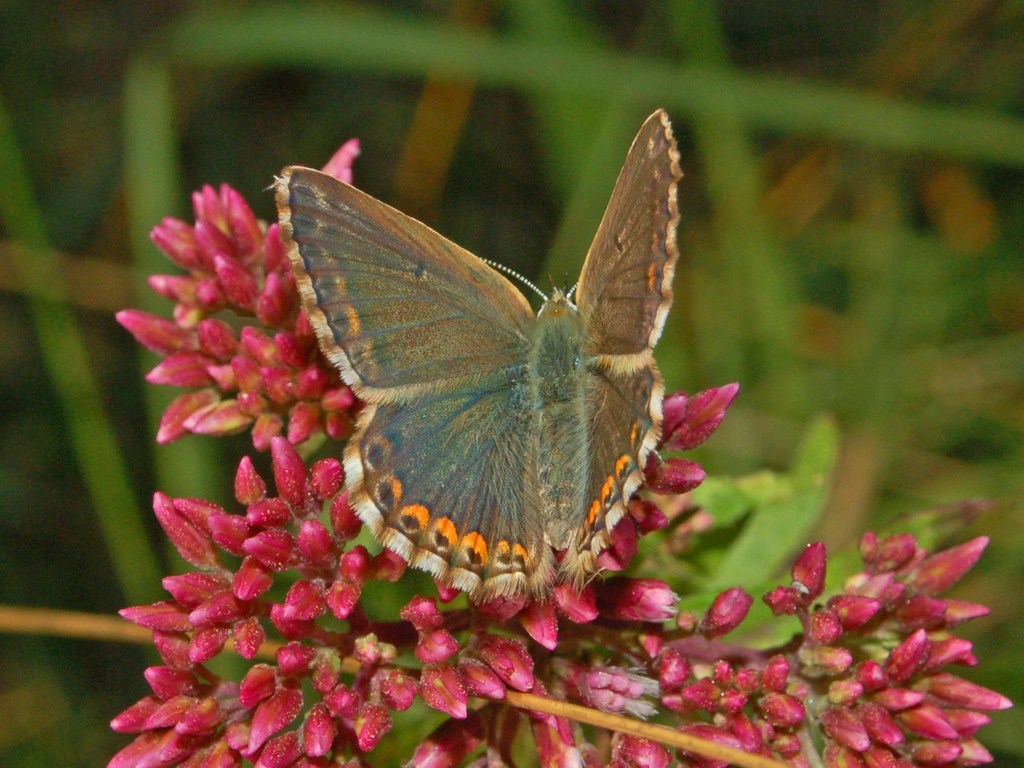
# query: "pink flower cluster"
(280, 582)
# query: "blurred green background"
(852, 243)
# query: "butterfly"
(496, 449)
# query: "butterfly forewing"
(396, 306)
(625, 288)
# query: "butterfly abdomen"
(560, 439)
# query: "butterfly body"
(490, 438)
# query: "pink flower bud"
(341, 162)
(673, 670)
(221, 608)
(541, 623)
(647, 516)
(272, 547)
(828, 659)
(908, 657)
(168, 713)
(355, 564)
(182, 369)
(423, 614)
(871, 675)
(837, 756)
(502, 608)
(954, 691)
(479, 680)
(844, 691)
(631, 599)
(441, 688)
(191, 589)
(509, 659)
(261, 348)
(635, 751)
(326, 477)
(207, 643)
(193, 545)
(295, 659)
(249, 486)
(896, 699)
(340, 399)
(238, 283)
(315, 543)
(163, 615)
(272, 715)
(318, 731)
(280, 752)
(290, 476)
(809, 571)
(222, 418)
(201, 718)
(927, 721)
(387, 566)
(775, 675)
(895, 552)
(577, 606)
(673, 475)
(966, 721)
(277, 384)
(178, 240)
(342, 702)
(252, 579)
(304, 601)
(825, 627)
(449, 744)
(181, 409)
(688, 422)
(880, 725)
(268, 513)
(216, 339)
(342, 597)
(960, 611)
(167, 683)
(726, 613)
(436, 645)
(936, 753)
(156, 333)
(841, 724)
(785, 601)
(781, 710)
(854, 611)
(344, 520)
(249, 636)
(397, 690)
(133, 718)
(275, 302)
(311, 383)
(372, 723)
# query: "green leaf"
(781, 521)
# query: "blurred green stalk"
(66, 359)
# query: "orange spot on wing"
(417, 512)
(633, 433)
(606, 489)
(653, 275)
(446, 528)
(475, 543)
(622, 465)
(595, 507)
(520, 551)
(354, 326)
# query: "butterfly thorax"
(558, 379)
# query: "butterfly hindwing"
(445, 482)
(396, 306)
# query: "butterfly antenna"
(572, 290)
(516, 275)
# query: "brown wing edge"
(325, 336)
